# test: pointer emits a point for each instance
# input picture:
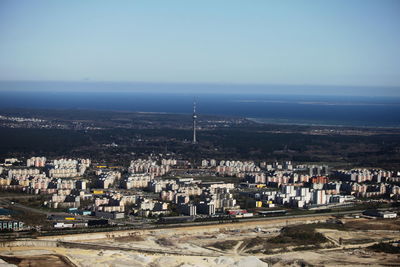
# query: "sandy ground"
(5, 264)
(193, 246)
(81, 257)
(339, 257)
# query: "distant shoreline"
(281, 110)
(259, 120)
(315, 123)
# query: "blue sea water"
(287, 109)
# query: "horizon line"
(202, 83)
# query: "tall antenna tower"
(194, 122)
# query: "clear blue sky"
(341, 42)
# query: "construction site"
(312, 241)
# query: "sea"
(365, 111)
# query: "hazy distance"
(188, 46)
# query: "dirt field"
(238, 244)
(338, 257)
(39, 261)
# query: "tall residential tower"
(194, 123)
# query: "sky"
(335, 43)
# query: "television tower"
(194, 123)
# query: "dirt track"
(277, 223)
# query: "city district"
(76, 193)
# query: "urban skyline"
(199, 133)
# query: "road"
(144, 225)
(8, 203)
